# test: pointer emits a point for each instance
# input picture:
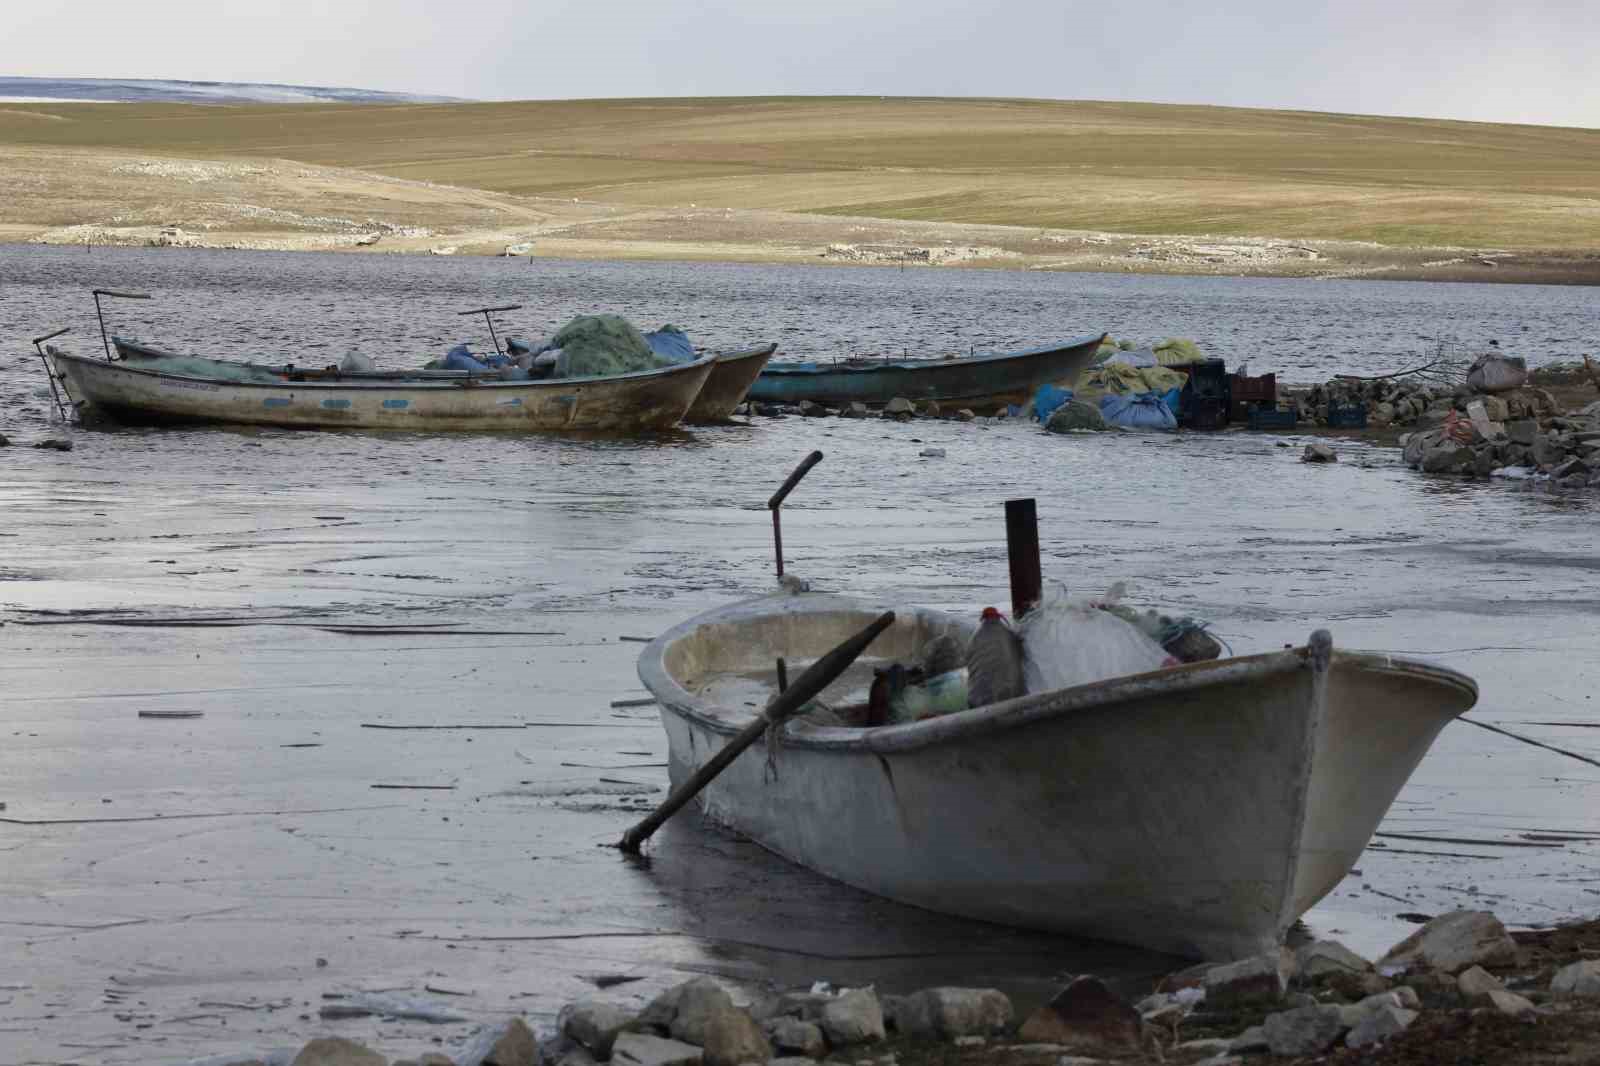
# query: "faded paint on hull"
(730, 380)
(980, 381)
(1197, 811)
(651, 400)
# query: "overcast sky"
(1495, 60)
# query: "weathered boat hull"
(1198, 810)
(129, 392)
(983, 381)
(728, 384)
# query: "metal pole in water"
(49, 372)
(101, 316)
(1022, 554)
(777, 501)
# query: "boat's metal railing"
(98, 313)
(49, 372)
(488, 317)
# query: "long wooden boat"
(1197, 810)
(216, 391)
(974, 381)
(728, 384)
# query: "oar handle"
(487, 310)
(794, 479)
(50, 336)
(818, 676)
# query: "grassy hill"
(1129, 168)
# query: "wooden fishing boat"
(159, 388)
(1197, 810)
(980, 381)
(730, 380)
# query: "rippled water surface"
(256, 843)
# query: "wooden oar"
(818, 676)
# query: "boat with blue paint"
(978, 381)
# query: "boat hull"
(980, 382)
(1197, 811)
(730, 380)
(128, 392)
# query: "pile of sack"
(588, 346)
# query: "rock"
(53, 444)
(5, 441)
(1494, 407)
(1511, 1004)
(642, 1049)
(854, 409)
(1445, 456)
(732, 1037)
(1303, 1031)
(931, 409)
(1484, 460)
(594, 1024)
(948, 1013)
(1380, 1025)
(508, 1044)
(1568, 468)
(1087, 1018)
(561, 1050)
(1256, 980)
(854, 1017)
(965, 415)
(931, 453)
(1075, 414)
(1523, 431)
(1580, 980)
(899, 406)
(1328, 957)
(1548, 450)
(812, 410)
(1475, 983)
(1351, 1014)
(1252, 1039)
(1319, 453)
(337, 1051)
(1454, 941)
(1207, 1046)
(794, 1035)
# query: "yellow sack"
(1175, 351)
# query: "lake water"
(158, 868)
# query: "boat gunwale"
(1010, 714)
(555, 384)
(922, 365)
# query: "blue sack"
(458, 358)
(671, 343)
(1147, 410)
(1171, 399)
(1047, 399)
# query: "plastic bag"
(1047, 399)
(671, 343)
(356, 361)
(1069, 641)
(1145, 411)
(1497, 373)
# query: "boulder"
(948, 1013)
(594, 1024)
(732, 1037)
(793, 1036)
(1452, 942)
(1580, 980)
(1445, 456)
(768, 410)
(1494, 407)
(931, 409)
(1303, 1031)
(854, 409)
(1352, 1014)
(1523, 431)
(899, 406)
(1475, 983)
(965, 415)
(1548, 450)
(1262, 979)
(5, 441)
(1380, 1025)
(1326, 958)
(1511, 1004)
(683, 1010)
(337, 1051)
(1085, 1017)
(52, 444)
(1252, 1039)
(510, 1043)
(642, 1049)
(853, 1017)
(1075, 414)
(1484, 460)
(1319, 453)
(812, 410)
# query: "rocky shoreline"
(1459, 989)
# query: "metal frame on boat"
(1197, 810)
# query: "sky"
(1535, 61)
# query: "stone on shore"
(1087, 1018)
(509, 1044)
(1380, 1025)
(899, 406)
(1303, 1031)
(683, 1010)
(1523, 431)
(1319, 452)
(732, 1037)
(965, 414)
(931, 409)
(1475, 983)
(5, 441)
(594, 1024)
(1511, 1004)
(812, 410)
(1580, 980)
(1452, 942)
(791, 1035)
(1326, 958)
(642, 1049)
(337, 1051)
(855, 409)
(853, 1017)
(52, 444)
(948, 1013)
(1261, 979)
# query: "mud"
(156, 868)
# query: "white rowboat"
(1197, 810)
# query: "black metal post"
(49, 373)
(777, 501)
(486, 312)
(106, 344)
(1022, 554)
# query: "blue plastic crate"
(1272, 418)
(1347, 416)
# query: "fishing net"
(210, 369)
(600, 346)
